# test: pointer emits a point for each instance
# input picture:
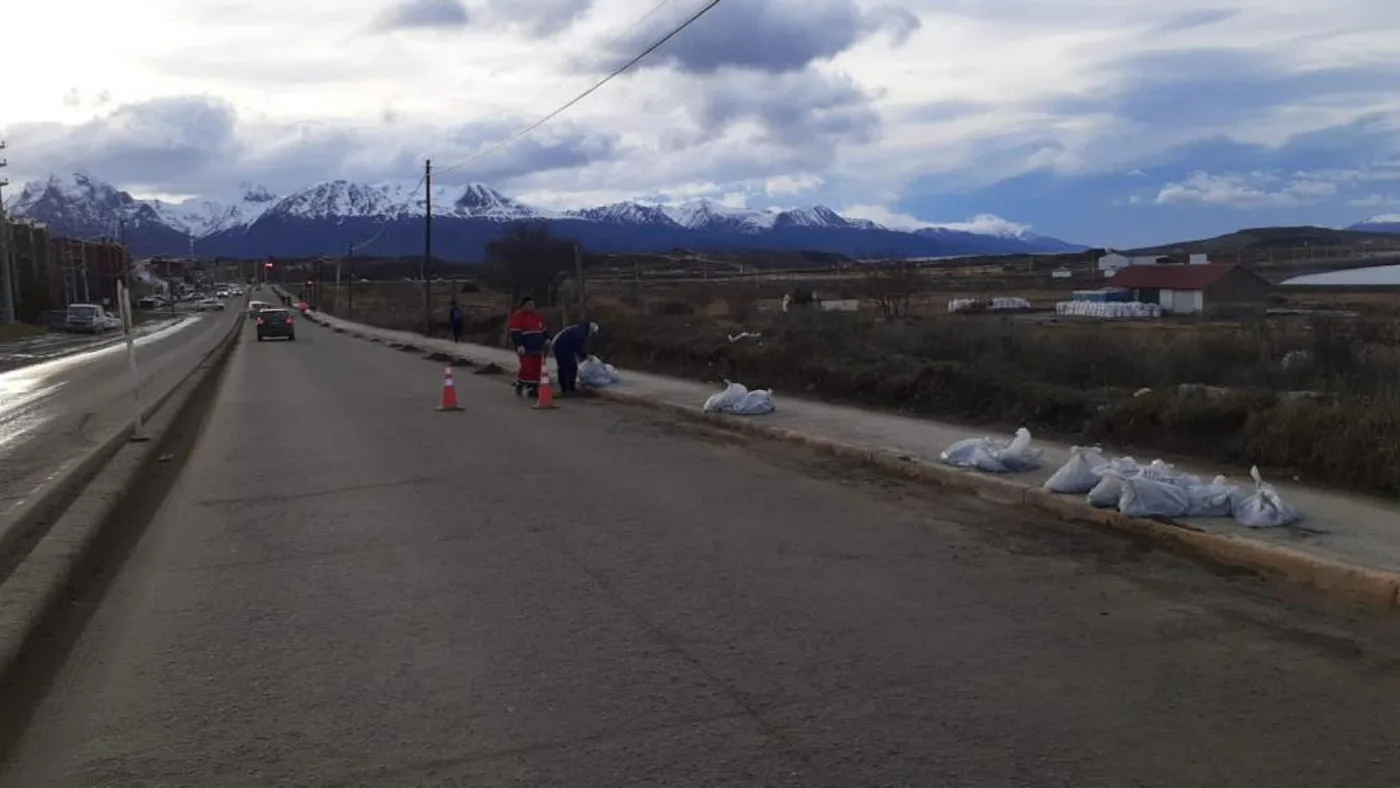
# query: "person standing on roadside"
(455, 318)
(527, 333)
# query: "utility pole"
(350, 301)
(7, 269)
(427, 247)
(578, 279)
(126, 261)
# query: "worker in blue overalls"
(571, 347)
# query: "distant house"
(1113, 262)
(1204, 288)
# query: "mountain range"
(386, 220)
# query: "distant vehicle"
(254, 307)
(221, 294)
(275, 323)
(210, 305)
(90, 319)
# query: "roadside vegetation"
(1313, 397)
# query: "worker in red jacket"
(527, 333)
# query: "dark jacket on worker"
(571, 344)
(527, 332)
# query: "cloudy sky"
(1100, 121)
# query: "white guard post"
(138, 432)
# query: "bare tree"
(893, 286)
(528, 260)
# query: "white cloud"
(1245, 191)
(984, 223)
(974, 93)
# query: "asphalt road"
(347, 588)
(53, 412)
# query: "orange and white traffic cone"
(449, 392)
(546, 396)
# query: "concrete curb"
(1371, 587)
(40, 582)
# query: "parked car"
(275, 323)
(90, 319)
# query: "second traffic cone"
(449, 392)
(546, 397)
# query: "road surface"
(347, 588)
(53, 412)
(55, 344)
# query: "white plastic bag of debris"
(755, 403)
(724, 400)
(1145, 497)
(596, 374)
(992, 455)
(1109, 490)
(1080, 473)
(1265, 508)
(1160, 471)
(1217, 499)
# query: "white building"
(1113, 262)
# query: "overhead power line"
(566, 106)
(614, 74)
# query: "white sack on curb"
(1144, 497)
(719, 403)
(739, 401)
(1217, 499)
(1159, 471)
(1106, 494)
(594, 373)
(1080, 473)
(992, 455)
(755, 403)
(1265, 509)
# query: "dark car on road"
(275, 323)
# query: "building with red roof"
(1195, 289)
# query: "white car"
(210, 305)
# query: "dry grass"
(1315, 397)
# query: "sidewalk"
(1354, 533)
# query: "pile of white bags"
(736, 399)
(994, 456)
(1159, 490)
(596, 374)
(1117, 310)
(998, 304)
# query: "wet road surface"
(347, 588)
(53, 412)
(44, 347)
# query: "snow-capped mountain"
(1385, 223)
(328, 217)
(200, 217)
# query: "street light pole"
(7, 270)
(427, 247)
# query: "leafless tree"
(528, 260)
(893, 286)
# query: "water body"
(1356, 277)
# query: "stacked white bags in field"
(998, 304)
(1130, 310)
